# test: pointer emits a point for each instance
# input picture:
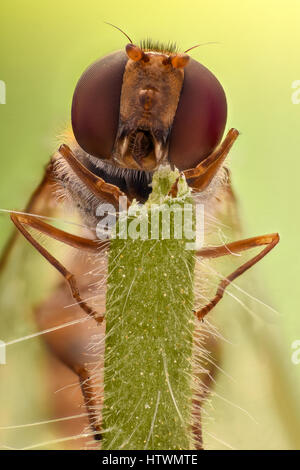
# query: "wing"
(248, 352)
(33, 300)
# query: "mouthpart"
(141, 149)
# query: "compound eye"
(96, 105)
(200, 118)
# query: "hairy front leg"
(94, 183)
(201, 176)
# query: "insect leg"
(78, 242)
(97, 185)
(232, 248)
(78, 342)
(92, 400)
(33, 202)
(200, 176)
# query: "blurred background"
(44, 49)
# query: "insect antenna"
(198, 45)
(119, 29)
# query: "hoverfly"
(133, 111)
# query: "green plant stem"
(149, 341)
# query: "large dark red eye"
(200, 118)
(96, 105)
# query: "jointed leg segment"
(34, 201)
(233, 248)
(78, 242)
(201, 176)
(96, 185)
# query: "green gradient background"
(46, 45)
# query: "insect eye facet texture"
(96, 105)
(200, 117)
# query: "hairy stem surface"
(149, 330)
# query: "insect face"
(148, 105)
